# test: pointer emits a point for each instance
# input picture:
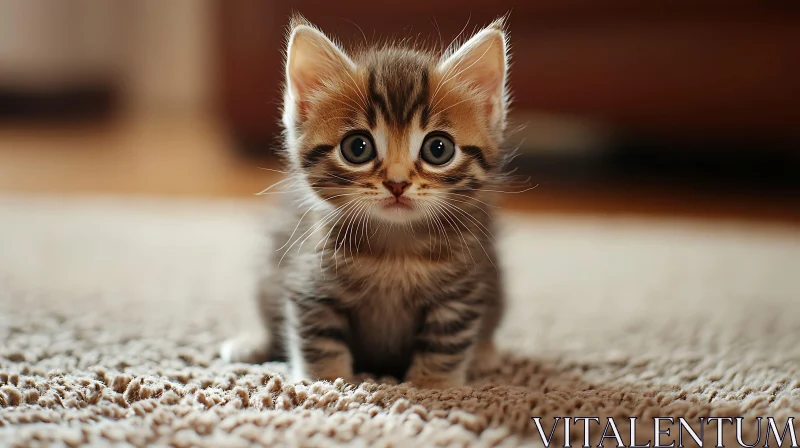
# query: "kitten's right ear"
(482, 62)
(310, 59)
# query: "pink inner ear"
(481, 63)
(303, 86)
(489, 82)
(302, 109)
(312, 57)
(303, 75)
(489, 107)
(307, 73)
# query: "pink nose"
(397, 188)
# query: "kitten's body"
(381, 288)
(362, 283)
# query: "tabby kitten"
(387, 263)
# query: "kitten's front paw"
(247, 348)
(330, 370)
(360, 378)
(486, 360)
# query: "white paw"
(227, 350)
(245, 349)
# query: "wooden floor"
(164, 156)
(191, 156)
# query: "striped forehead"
(398, 102)
(398, 91)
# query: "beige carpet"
(112, 311)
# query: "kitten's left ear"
(482, 62)
(311, 58)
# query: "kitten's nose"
(396, 188)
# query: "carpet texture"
(112, 312)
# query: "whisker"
(471, 205)
(469, 197)
(439, 32)
(321, 188)
(326, 175)
(360, 94)
(504, 192)
(469, 217)
(430, 234)
(304, 215)
(347, 238)
(362, 224)
(447, 215)
(335, 118)
(276, 184)
(359, 29)
(448, 107)
(350, 107)
(450, 45)
(325, 244)
(336, 243)
(297, 226)
(339, 216)
(477, 240)
(314, 228)
(444, 231)
(327, 237)
(274, 171)
(439, 228)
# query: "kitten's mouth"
(399, 210)
(400, 203)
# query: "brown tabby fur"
(350, 290)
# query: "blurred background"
(621, 106)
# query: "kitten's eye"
(358, 149)
(438, 150)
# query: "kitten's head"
(393, 131)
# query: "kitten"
(387, 264)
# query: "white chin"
(398, 215)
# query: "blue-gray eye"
(438, 150)
(358, 149)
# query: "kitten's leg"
(266, 345)
(445, 344)
(486, 357)
(318, 340)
